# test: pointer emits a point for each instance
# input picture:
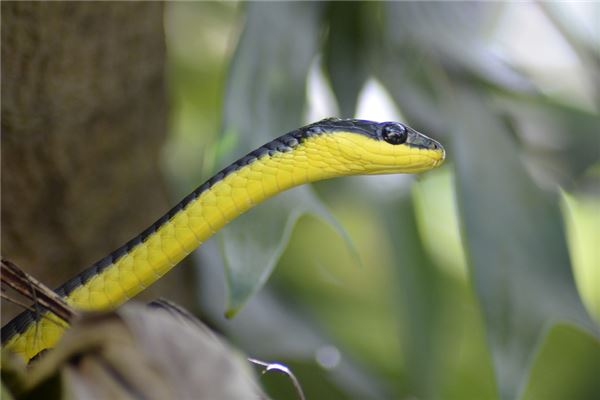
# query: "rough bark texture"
(83, 121)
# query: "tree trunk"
(83, 122)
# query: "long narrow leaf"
(516, 244)
(266, 98)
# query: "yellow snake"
(325, 149)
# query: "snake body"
(322, 150)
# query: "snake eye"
(394, 133)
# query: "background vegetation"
(476, 281)
(479, 280)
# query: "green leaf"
(421, 293)
(253, 245)
(513, 230)
(565, 141)
(454, 34)
(566, 366)
(347, 51)
(580, 211)
(266, 86)
(516, 243)
(423, 40)
(265, 99)
(586, 49)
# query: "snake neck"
(127, 271)
(231, 192)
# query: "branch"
(14, 277)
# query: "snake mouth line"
(440, 161)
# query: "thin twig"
(281, 368)
(23, 283)
(30, 308)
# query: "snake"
(325, 149)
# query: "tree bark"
(83, 122)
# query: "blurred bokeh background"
(478, 280)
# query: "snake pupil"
(394, 133)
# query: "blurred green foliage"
(456, 281)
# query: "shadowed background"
(84, 119)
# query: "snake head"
(367, 147)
